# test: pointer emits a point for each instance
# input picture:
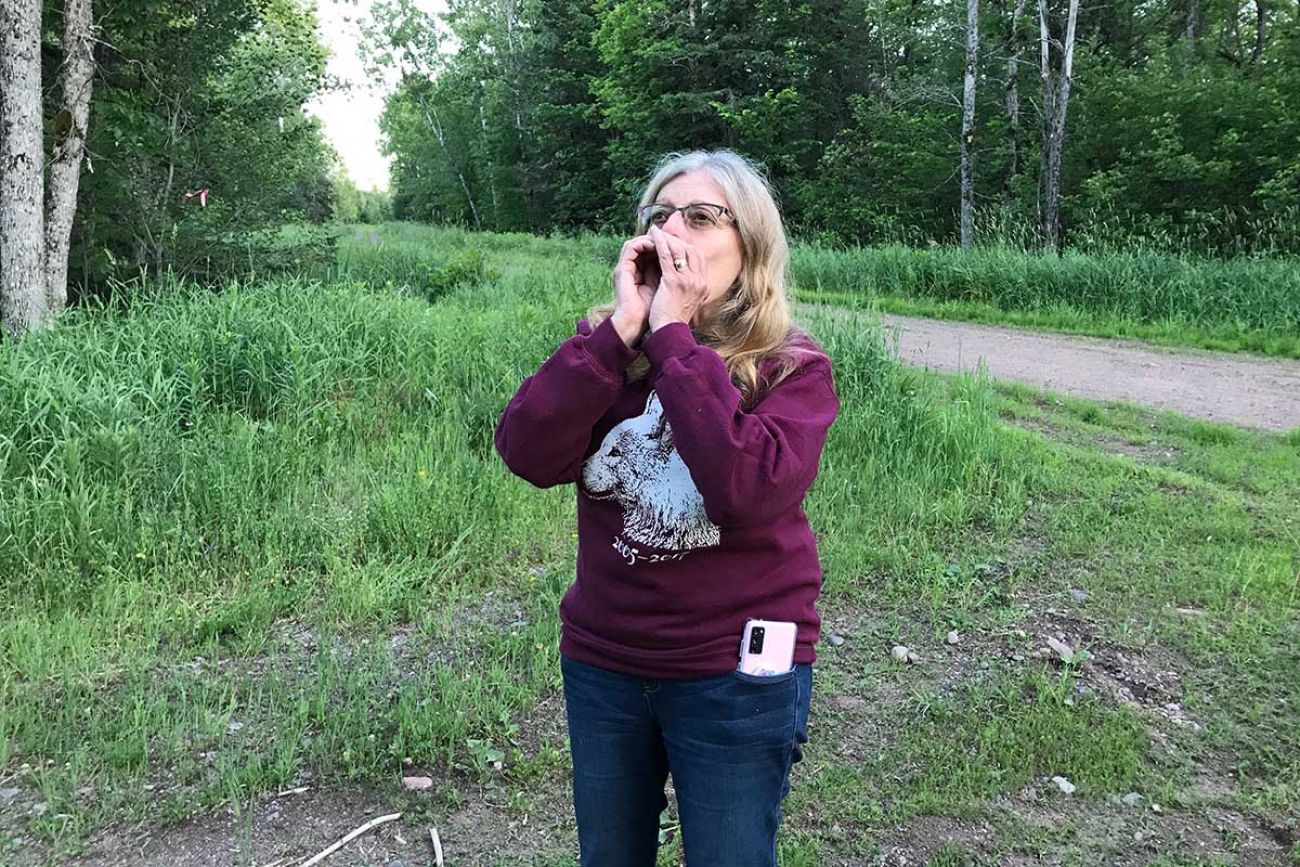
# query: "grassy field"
(1245, 304)
(261, 539)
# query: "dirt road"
(1250, 391)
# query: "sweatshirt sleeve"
(749, 466)
(546, 427)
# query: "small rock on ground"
(1064, 785)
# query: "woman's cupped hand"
(636, 279)
(682, 291)
(647, 299)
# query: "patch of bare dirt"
(480, 821)
(476, 826)
(916, 843)
(1059, 829)
(1042, 826)
(1141, 678)
(1150, 452)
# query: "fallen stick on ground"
(373, 823)
(297, 791)
(437, 846)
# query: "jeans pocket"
(746, 677)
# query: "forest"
(1174, 125)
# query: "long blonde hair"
(753, 322)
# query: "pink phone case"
(767, 647)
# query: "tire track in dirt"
(1245, 390)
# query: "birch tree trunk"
(22, 232)
(1013, 105)
(1054, 112)
(968, 124)
(516, 67)
(69, 147)
(431, 118)
(1045, 79)
(487, 155)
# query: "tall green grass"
(1239, 304)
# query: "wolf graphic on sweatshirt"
(638, 467)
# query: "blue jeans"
(730, 742)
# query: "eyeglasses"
(699, 215)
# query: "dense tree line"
(1183, 125)
(173, 130)
(192, 98)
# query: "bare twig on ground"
(297, 791)
(373, 823)
(437, 846)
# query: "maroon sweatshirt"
(690, 515)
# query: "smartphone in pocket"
(767, 647)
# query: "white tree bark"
(22, 234)
(1045, 79)
(1013, 103)
(431, 118)
(69, 147)
(968, 123)
(1054, 111)
(487, 153)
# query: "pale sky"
(351, 116)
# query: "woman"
(691, 415)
